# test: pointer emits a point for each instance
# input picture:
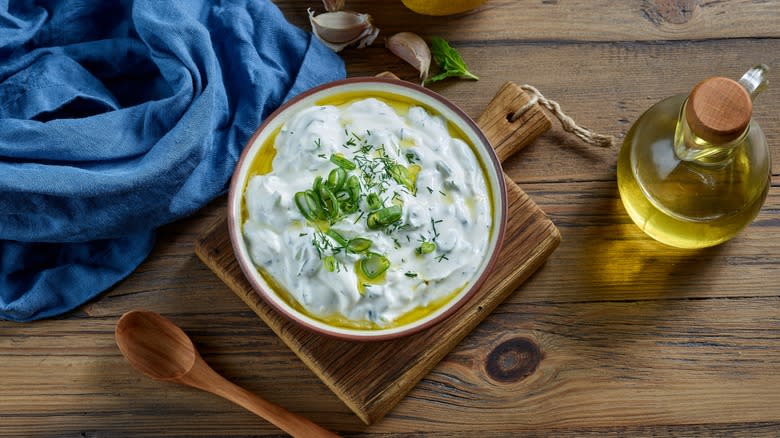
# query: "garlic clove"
(340, 29)
(413, 49)
(368, 38)
(333, 5)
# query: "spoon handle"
(289, 422)
(204, 377)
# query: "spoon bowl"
(157, 347)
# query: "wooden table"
(616, 335)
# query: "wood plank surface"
(571, 365)
(500, 21)
(633, 338)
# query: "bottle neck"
(690, 147)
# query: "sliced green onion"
(308, 205)
(348, 207)
(333, 234)
(317, 184)
(426, 248)
(300, 201)
(384, 217)
(373, 265)
(353, 187)
(398, 172)
(336, 178)
(342, 162)
(329, 202)
(315, 204)
(373, 201)
(359, 244)
(407, 177)
(329, 262)
(410, 274)
(412, 173)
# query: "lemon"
(441, 7)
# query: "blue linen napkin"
(117, 117)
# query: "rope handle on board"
(568, 124)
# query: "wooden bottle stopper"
(718, 110)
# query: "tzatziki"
(374, 212)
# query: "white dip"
(450, 211)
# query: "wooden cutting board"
(371, 378)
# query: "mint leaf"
(449, 61)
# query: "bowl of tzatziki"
(367, 209)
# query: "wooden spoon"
(161, 350)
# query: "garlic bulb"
(413, 49)
(340, 29)
(333, 5)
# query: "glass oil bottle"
(695, 170)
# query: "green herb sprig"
(449, 61)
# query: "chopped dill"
(433, 225)
(366, 148)
(322, 243)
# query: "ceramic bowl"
(358, 87)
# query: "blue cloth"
(117, 117)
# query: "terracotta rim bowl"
(368, 86)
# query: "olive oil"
(689, 188)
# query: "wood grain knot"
(670, 11)
(513, 360)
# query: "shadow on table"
(615, 260)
